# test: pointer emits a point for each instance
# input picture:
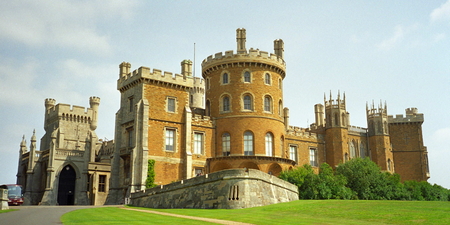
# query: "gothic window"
(269, 144)
(280, 108)
(336, 119)
(248, 105)
(247, 77)
(267, 79)
(131, 103)
(267, 104)
(389, 165)
(130, 137)
(313, 157)
(171, 104)
(225, 78)
(248, 143)
(170, 139)
(293, 152)
(352, 150)
(226, 144)
(343, 119)
(226, 104)
(198, 143)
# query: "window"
(267, 104)
(248, 102)
(226, 103)
(131, 103)
(247, 77)
(170, 104)
(280, 108)
(198, 172)
(362, 150)
(280, 84)
(207, 83)
(352, 150)
(102, 183)
(313, 157)
(267, 79)
(269, 144)
(130, 137)
(226, 144)
(389, 165)
(293, 152)
(225, 78)
(198, 143)
(170, 139)
(248, 143)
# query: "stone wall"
(227, 189)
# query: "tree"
(150, 181)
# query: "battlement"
(411, 116)
(252, 55)
(160, 76)
(68, 112)
(334, 103)
(94, 100)
(301, 132)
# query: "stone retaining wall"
(227, 189)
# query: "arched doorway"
(66, 186)
(275, 169)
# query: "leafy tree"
(150, 181)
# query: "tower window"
(248, 102)
(269, 144)
(313, 157)
(267, 104)
(225, 78)
(170, 139)
(171, 104)
(226, 144)
(131, 103)
(226, 104)
(198, 143)
(248, 143)
(293, 152)
(267, 79)
(102, 183)
(130, 137)
(247, 77)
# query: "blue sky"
(391, 51)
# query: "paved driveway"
(38, 215)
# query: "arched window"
(267, 104)
(269, 144)
(389, 165)
(267, 79)
(225, 78)
(248, 105)
(226, 103)
(280, 108)
(247, 77)
(336, 119)
(226, 144)
(248, 143)
(352, 150)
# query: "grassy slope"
(297, 212)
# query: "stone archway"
(249, 165)
(275, 169)
(220, 166)
(66, 186)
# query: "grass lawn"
(297, 212)
(7, 210)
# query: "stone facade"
(226, 189)
(73, 165)
(234, 117)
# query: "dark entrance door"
(66, 186)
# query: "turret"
(319, 115)
(124, 69)
(240, 39)
(278, 46)
(377, 119)
(335, 111)
(23, 146)
(94, 103)
(186, 68)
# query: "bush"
(150, 181)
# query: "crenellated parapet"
(145, 74)
(201, 120)
(253, 56)
(302, 132)
(412, 116)
(380, 111)
(66, 112)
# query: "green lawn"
(7, 210)
(297, 212)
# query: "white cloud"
(70, 24)
(390, 43)
(441, 13)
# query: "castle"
(233, 117)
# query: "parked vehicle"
(15, 196)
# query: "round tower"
(49, 103)
(244, 95)
(94, 102)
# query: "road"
(38, 215)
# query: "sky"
(390, 51)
